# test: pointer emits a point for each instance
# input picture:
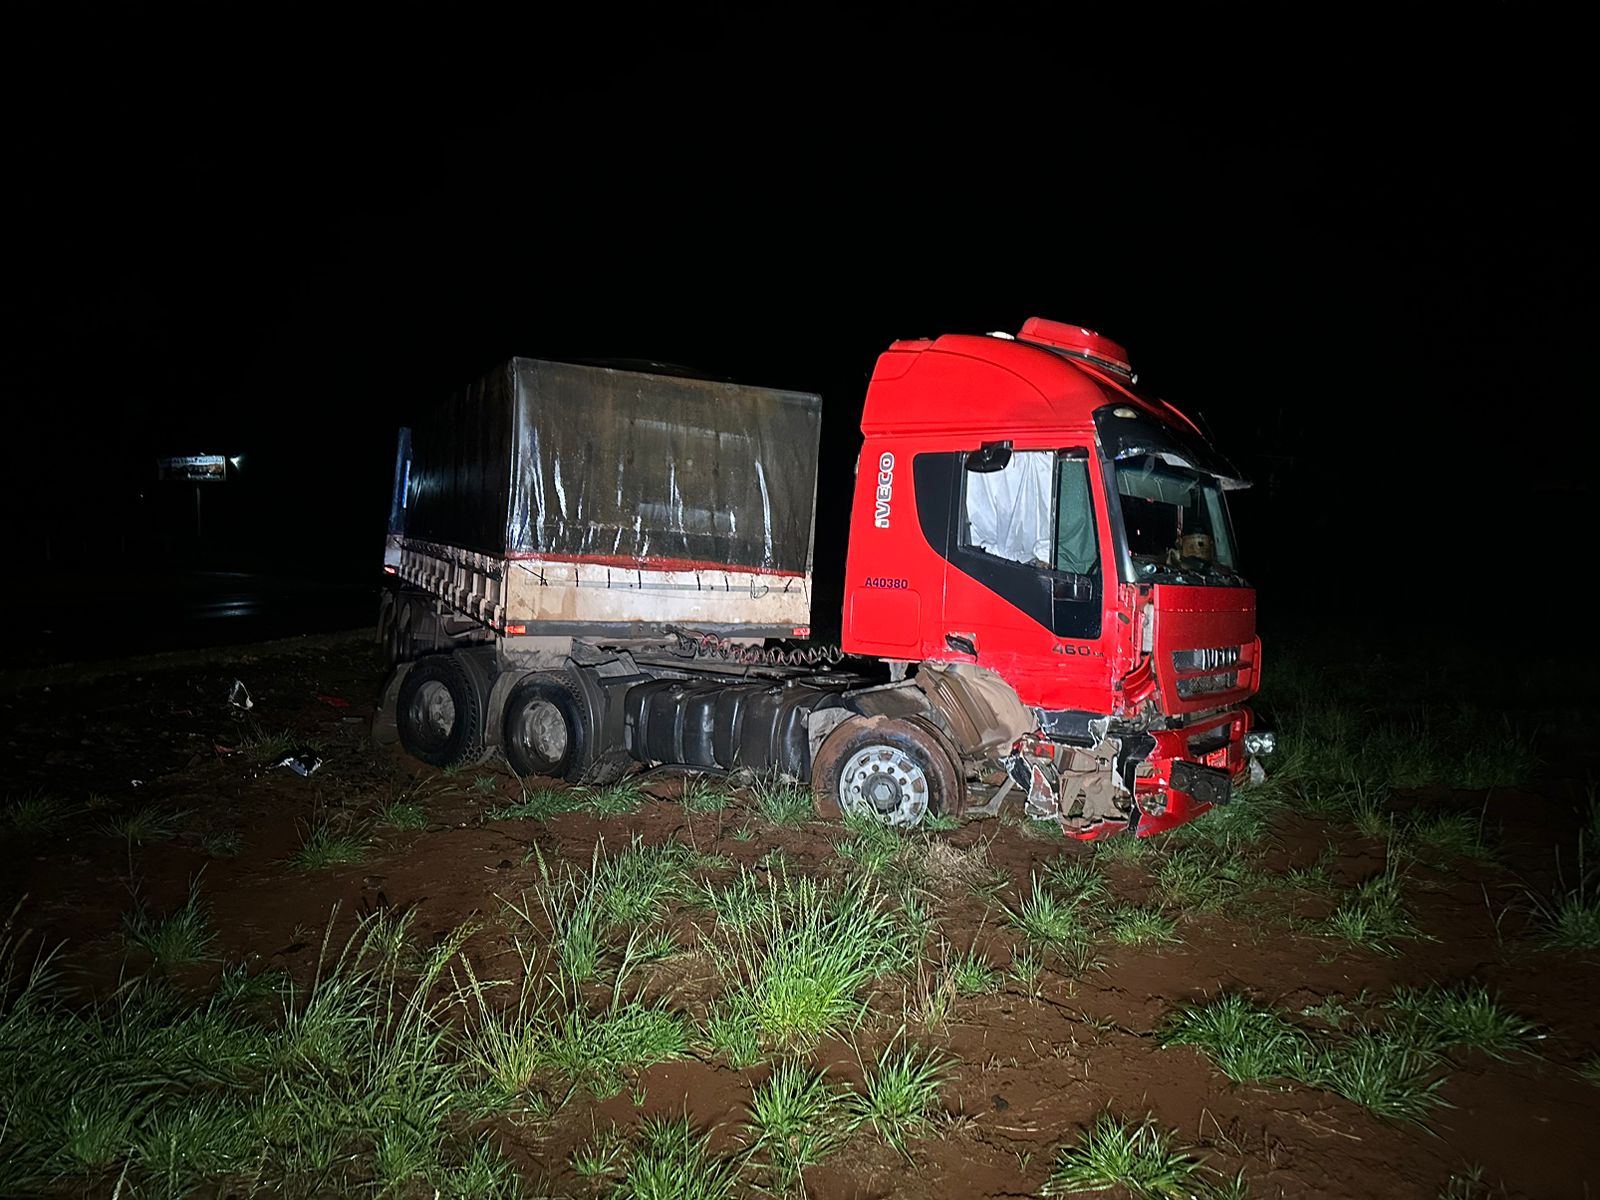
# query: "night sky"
(1371, 280)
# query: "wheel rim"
(886, 784)
(542, 729)
(433, 713)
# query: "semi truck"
(593, 569)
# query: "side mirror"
(991, 456)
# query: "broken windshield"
(1175, 521)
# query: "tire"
(891, 770)
(439, 712)
(547, 731)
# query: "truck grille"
(1216, 661)
(1209, 658)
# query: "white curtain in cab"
(1008, 511)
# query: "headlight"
(1260, 741)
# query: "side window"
(1077, 545)
(1036, 509)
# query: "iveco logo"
(880, 513)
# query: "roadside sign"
(194, 468)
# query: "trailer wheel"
(439, 712)
(546, 731)
(890, 770)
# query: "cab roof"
(1050, 376)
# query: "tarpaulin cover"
(591, 462)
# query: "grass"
(1381, 1070)
(782, 801)
(1570, 919)
(670, 1161)
(1046, 919)
(971, 975)
(223, 843)
(324, 845)
(1138, 925)
(798, 1118)
(346, 1083)
(797, 971)
(1465, 1017)
(37, 813)
(620, 799)
(1202, 877)
(180, 937)
(1138, 1157)
(1077, 880)
(539, 804)
(870, 845)
(738, 904)
(1372, 914)
(1589, 1069)
(1389, 1068)
(700, 795)
(147, 824)
(403, 813)
(900, 1093)
(1452, 834)
(1244, 1041)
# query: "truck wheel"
(440, 712)
(546, 731)
(890, 770)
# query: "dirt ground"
(1033, 1065)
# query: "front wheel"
(889, 770)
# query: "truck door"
(1026, 552)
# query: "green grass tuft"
(223, 843)
(971, 975)
(797, 971)
(403, 812)
(1384, 1072)
(539, 804)
(1372, 914)
(1466, 1016)
(37, 813)
(782, 801)
(701, 795)
(669, 1161)
(620, 799)
(180, 937)
(900, 1093)
(1140, 1158)
(1138, 925)
(798, 1118)
(1245, 1042)
(147, 824)
(325, 846)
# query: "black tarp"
(554, 458)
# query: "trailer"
(592, 569)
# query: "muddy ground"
(1032, 1063)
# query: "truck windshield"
(1175, 521)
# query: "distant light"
(236, 459)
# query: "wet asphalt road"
(75, 619)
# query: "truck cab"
(1021, 510)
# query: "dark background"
(1368, 274)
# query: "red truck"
(593, 568)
